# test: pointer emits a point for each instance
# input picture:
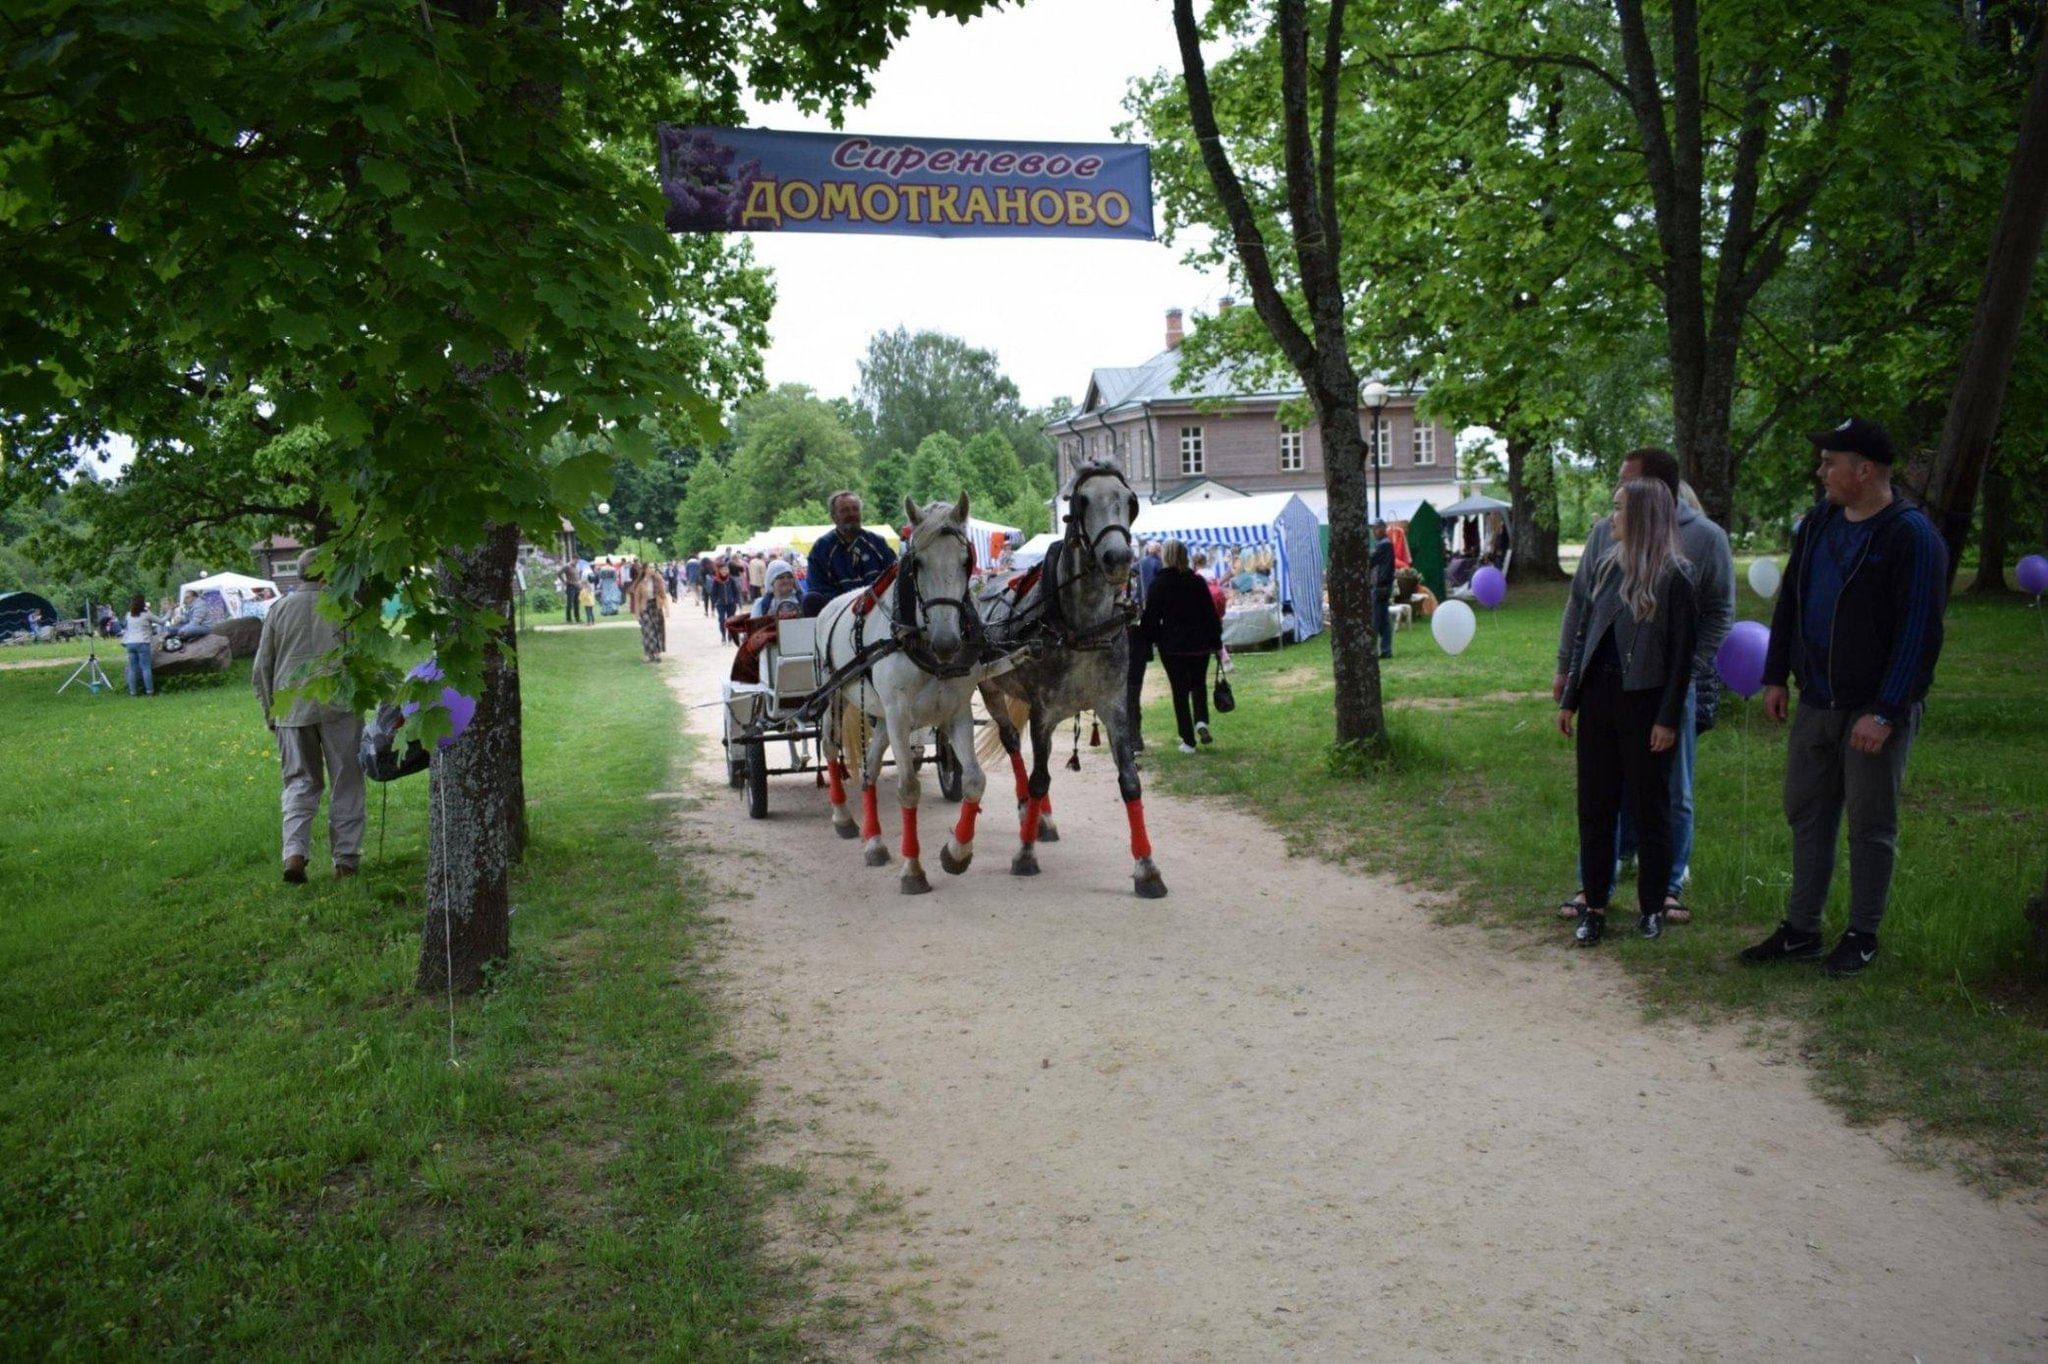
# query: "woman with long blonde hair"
(1630, 665)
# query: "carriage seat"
(792, 663)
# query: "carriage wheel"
(757, 780)
(950, 772)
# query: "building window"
(1425, 443)
(1380, 448)
(1190, 450)
(1290, 448)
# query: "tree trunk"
(1354, 647)
(475, 818)
(1979, 395)
(1532, 522)
(1993, 540)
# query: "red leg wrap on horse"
(963, 832)
(1030, 821)
(1045, 804)
(1023, 781)
(838, 771)
(1141, 845)
(871, 814)
(910, 831)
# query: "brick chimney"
(1173, 331)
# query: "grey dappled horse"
(926, 683)
(1075, 627)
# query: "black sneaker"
(1592, 927)
(1786, 943)
(1651, 925)
(1854, 952)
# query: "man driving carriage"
(848, 558)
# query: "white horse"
(922, 680)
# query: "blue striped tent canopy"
(1281, 522)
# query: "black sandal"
(1572, 908)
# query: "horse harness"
(1048, 626)
(905, 636)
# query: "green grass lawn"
(1478, 799)
(231, 1128)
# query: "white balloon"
(1764, 577)
(1453, 625)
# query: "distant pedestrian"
(572, 591)
(1627, 675)
(138, 636)
(725, 593)
(649, 602)
(1180, 621)
(299, 645)
(1383, 588)
(1858, 625)
(586, 601)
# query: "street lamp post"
(1375, 396)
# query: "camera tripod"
(95, 676)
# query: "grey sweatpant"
(305, 750)
(1823, 778)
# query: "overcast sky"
(1053, 71)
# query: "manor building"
(1215, 437)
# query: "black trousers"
(1188, 675)
(1134, 684)
(1614, 753)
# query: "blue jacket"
(1887, 626)
(838, 567)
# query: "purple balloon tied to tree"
(2033, 575)
(1740, 659)
(461, 709)
(1490, 586)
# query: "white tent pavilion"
(237, 592)
(1279, 522)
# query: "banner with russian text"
(757, 180)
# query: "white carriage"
(765, 721)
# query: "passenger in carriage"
(760, 633)
(781, 589)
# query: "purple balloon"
(461, 709)
(1740, 659)
(1490, 586)
(2033, 575)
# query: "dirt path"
(1282, 1115)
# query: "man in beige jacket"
(299, 644)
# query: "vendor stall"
(233, 594)
(1266, 552)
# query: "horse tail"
(854, 729)
(988, 745)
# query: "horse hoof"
(1150, 886)
(916, 885)
(847, 830)
(876, 857)
(1025, 863)
(1048, 832)
(952, 865)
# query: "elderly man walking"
(299, 644)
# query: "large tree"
(430, 231)
(913, 384)
(793, 451)
(1311, 332)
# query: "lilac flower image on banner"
(704, 193)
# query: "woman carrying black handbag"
(1180, 620)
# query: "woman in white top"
(138, 634)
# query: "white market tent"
(1033, 551)
(983, 533)
(237, 591)
(1281, 522)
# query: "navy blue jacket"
(838, 567)
(1887, 626)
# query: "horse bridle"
(910, 607)
(1077, 533)
(1050, 616)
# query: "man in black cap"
(1859, 625)
(1383, 588)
